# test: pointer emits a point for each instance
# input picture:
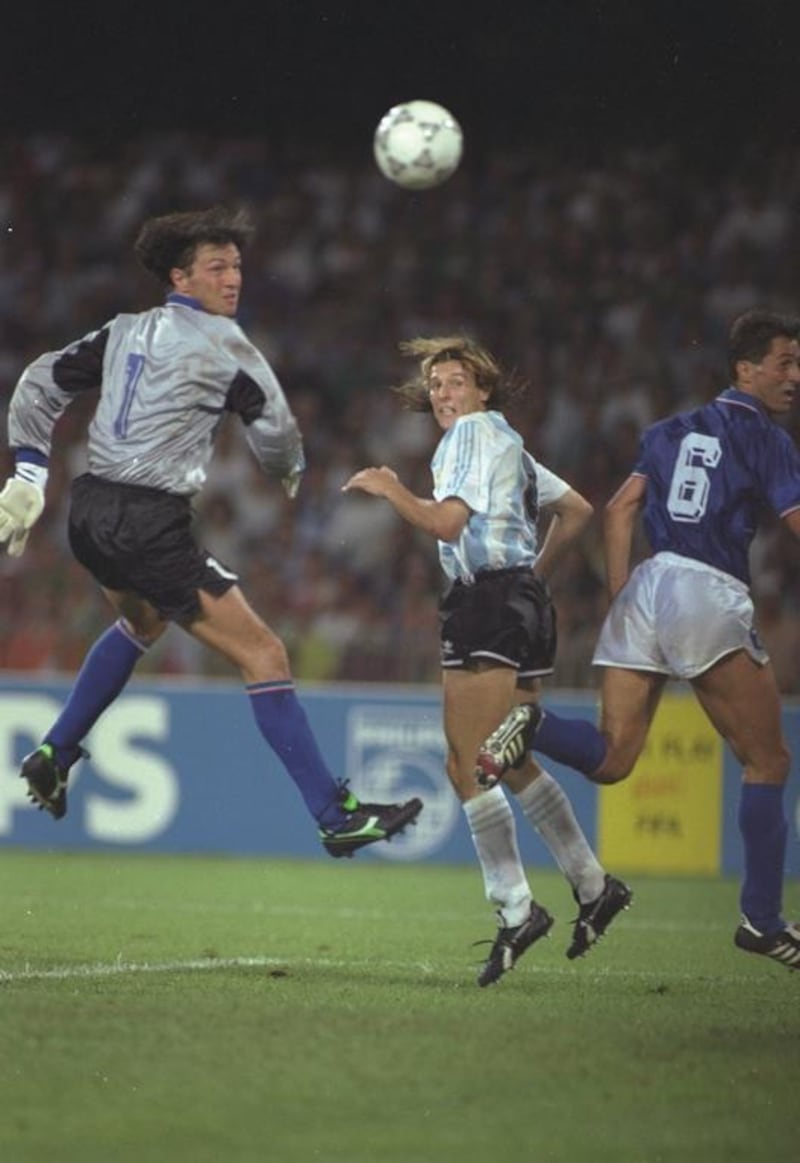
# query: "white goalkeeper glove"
(21, 505)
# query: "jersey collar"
(184, 301)
(743, 399)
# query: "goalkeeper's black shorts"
(140, 540)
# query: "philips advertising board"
(178, 767)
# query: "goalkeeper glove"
(291, 483)
(21, 505)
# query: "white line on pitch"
(121, 968)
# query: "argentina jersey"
(710, 474)
(481, 460)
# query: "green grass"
(207, 1010)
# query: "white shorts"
(677, 616)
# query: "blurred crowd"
(608, 283)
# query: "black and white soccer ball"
(418, 145)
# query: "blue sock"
(105, 671)
(283, 723)
(762, 823)
(574, 742)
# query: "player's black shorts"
(140, 540)
(505, 616)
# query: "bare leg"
(474, 703)
(474, 700)
(629, 702)
(741, 699)
(228, 625)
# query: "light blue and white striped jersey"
(482, 461)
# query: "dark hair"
(751, 335)
(489, 375)
(172, 240)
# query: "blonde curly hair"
(489, 375)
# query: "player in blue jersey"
(498, 630)
(702, 479)
(166, 379)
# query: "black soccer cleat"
(508, 744)
(367, 824)
(47, 779)
(783, 947)
(511, 943)
(594, 918)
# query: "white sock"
(494, 834)
(547, 807)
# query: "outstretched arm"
(620, 520)
(443, 519)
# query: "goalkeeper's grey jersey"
(166, 377)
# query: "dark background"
(579, 74)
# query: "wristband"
(34, 474)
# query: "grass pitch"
(174, 1009)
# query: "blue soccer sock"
(577, 743)
(283, 723)
(762, 823)
(105, 671)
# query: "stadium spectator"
(497, 628)
(602, 273)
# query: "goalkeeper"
(166, 378)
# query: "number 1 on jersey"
(134, 366)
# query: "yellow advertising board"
(667, 816)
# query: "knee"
(145, 630)
(257, 653)
(616, 767)
(267, 654)
(610, 775)
(774, 769)
(518, 779)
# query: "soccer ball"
(418, 145)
